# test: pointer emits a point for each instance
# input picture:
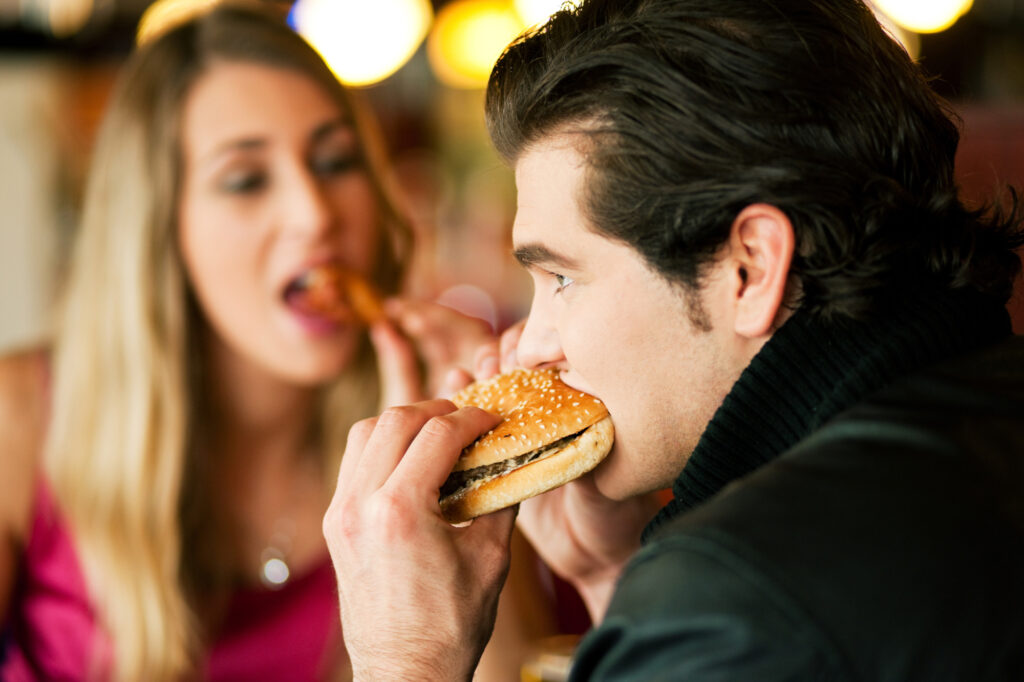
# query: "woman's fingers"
(485, 362)
(454, 380)
(397, 366)
(444, 338)
(500, 354)
(507, 346)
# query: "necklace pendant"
(274, 570)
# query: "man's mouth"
(573, 380)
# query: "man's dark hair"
(693, 109)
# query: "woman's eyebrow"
(342, 123)
(237, 144)
(323, 130)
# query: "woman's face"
(273, 184)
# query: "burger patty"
(468, 478)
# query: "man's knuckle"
(441, 427)
(391, 513)
(396, 415)
(361, 429)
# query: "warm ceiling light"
(924, 16)
(534, 12)
(68, 17)
(363, 41)
(910, 41)
(467, 39)
(165, 14)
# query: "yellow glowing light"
(67, 17)
(910, 41)
(924, 16)
(164, 14)
(467, 39)
(535, 12)
(363, 41)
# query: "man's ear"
(761, 246)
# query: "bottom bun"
(567, 464)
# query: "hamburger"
(549, 434)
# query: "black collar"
(811, 369)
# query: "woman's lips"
(315, 302)
(314, 323)
(331, 293)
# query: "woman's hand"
(425, 349)
(418, 595)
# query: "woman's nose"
(539, 345)
(306, 207)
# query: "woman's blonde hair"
(121, 448)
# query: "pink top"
(292, 633)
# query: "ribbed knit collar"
(811, 370)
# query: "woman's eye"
(243, 183)
(336, 165)
(562, 281)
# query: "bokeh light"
(68, 17)
(363, 41)
(534, 12)
(910, 41)
(924, 16)
(467, 39)
(164, 14)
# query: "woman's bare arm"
(22, 424)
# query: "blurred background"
(422, 65)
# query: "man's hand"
(583, 536)
(418, 595)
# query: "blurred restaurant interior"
(422, 66)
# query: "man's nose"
(539, 345)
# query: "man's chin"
(617, 479)
(611, 478)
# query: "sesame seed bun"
(549, 435)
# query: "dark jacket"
(887, 543)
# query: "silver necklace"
(274, 568)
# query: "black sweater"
(811, 370)
(855, 511)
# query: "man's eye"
(562, 281)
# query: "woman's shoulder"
(23, 413)
(23, 387)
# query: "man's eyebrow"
(537, 254)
